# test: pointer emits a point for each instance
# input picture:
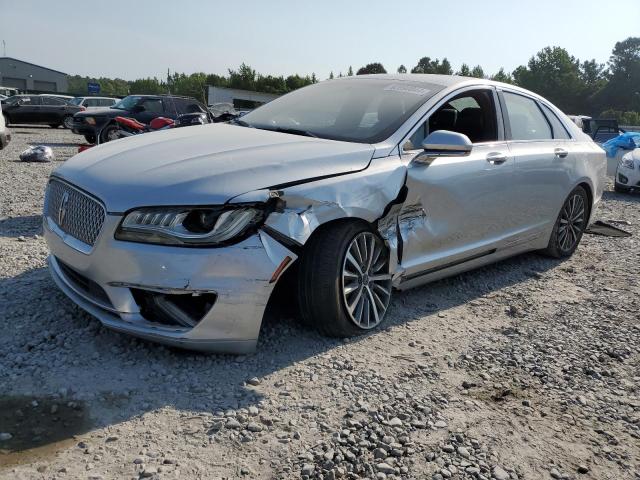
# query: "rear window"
(559, 130)
(526, 119)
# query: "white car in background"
(92, 103)
(628, 172)
(5, 135)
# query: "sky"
(140, 38)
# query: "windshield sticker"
(396, 87)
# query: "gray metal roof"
(32, 64)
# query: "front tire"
(570, 225)
(90, 138)
(344, 285)
(109, 133)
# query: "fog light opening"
(183, 309)
(622, 179)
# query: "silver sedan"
(348, 189)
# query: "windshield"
(76, 101)
(13, 99)
(364, 110)
(127, 103)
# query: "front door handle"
(560, 152)
(496, 158)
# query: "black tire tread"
(553, 249)
(319, 298)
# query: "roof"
(444, 80)
(32, 64)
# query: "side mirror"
(443, 143)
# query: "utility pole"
(4, 48)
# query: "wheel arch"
(589, 189)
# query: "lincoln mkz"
(351, 189)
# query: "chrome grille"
(74, 212)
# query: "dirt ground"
(527, 369)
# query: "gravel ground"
(528, 369)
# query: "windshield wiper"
(295, 131)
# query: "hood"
(205, 165)
(106, 112)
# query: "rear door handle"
(496, 158)
(561, 152)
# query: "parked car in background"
(8, 91)
(39, 109)
(5, 134)
(93, 103)
(2, 97)
(599, 129)
(142, 108)
(628, 172)
(362, 184)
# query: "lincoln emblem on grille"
(62, 211)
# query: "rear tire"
(90, 138)
(570, 225)
(342, 290)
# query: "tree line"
(575, 86)
(193, 85)
(579, 87)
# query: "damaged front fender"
(371, 195)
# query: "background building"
(240, 99)
(26, 76)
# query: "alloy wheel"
(366, 282)
(68, 122)
(572, 220)
(113, 134)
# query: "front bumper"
(82, 128)
(240, 276)
(627, 177)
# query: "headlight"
(627, 163)
(90, 120)
(189, 226)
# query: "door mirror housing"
(444, 143)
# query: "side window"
(471, 113)
(173, 105)
(559, 130)
(192, 107)
(526, 118)
(33, 100)
(107, 102)
(153, 105)
(91, 102)
(49, 101)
